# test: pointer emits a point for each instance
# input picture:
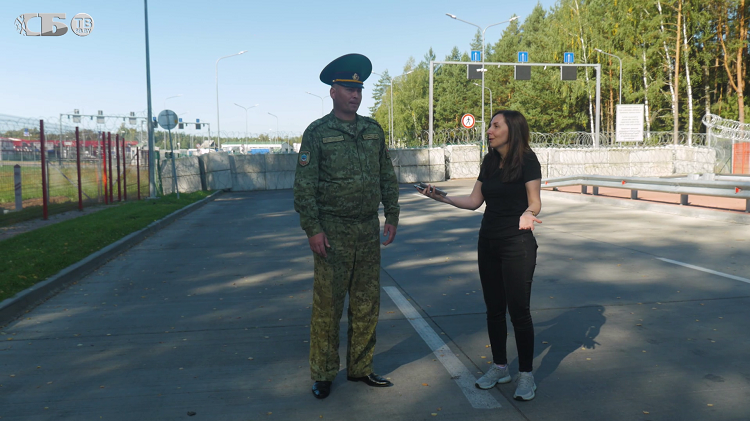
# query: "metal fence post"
(119, 177)
(124, 173)
(78, 165)
(18, 187)
(104, 167)
(138, 171)
(45, 194)
(109, 158)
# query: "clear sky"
(288, 43)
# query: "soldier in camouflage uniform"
(344, 171)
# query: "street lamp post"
(277, 126)
(150, 125)
(487, 88)
(246, 108)
(483, 69)
(618, 58)
(322, 111)
(218, 124)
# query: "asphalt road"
(210, 316)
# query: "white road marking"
(726, 275)
(478, 398)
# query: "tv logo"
(82, 24)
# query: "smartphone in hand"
(422, 186)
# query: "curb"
(690, 211)
(12, 308)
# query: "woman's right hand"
(430, 192)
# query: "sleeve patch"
(370, 136)
(304, 158)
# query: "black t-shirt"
(506, 202)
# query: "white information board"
(629, 123)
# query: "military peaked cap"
(348, 70)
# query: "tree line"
(681, 59)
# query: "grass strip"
(34, 256)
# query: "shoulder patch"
(304, 158)
(371, 136)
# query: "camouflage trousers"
(353, 266)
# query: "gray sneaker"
(492, 377)
(525, 388)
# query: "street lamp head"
(242, 52)
(513, 18)
(450, 16)
(596, 49)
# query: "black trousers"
(506, 269)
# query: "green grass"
(31, 180)
(36, 255)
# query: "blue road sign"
(180, 119)
(197, 120)
(569, 58)
(523, 57)
(476, 55)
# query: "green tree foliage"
(695, 52)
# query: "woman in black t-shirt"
(509, 183)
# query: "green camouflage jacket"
(344, 171)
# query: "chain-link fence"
(84, 169)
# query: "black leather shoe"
(321, 389)
(371, 379)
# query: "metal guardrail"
(721, 186)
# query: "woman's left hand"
(527, 221)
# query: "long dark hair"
(518, 144)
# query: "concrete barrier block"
(545, 172)
(248, 181)
(542, 154)
(653, 169)
(458, 170)
(652, 155)
(279, 180)
(247, 163)
(436, 156)
(461, 153)
(281, 162)
(408, 174)
(219, 180)
(404, 157)
(435, 173)
(620, 170)
(618, 156)
(684, 153)
(412, 157)
(570, 157)
(559, 170)
(185, 184)
(185, 166)
(215, 161)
